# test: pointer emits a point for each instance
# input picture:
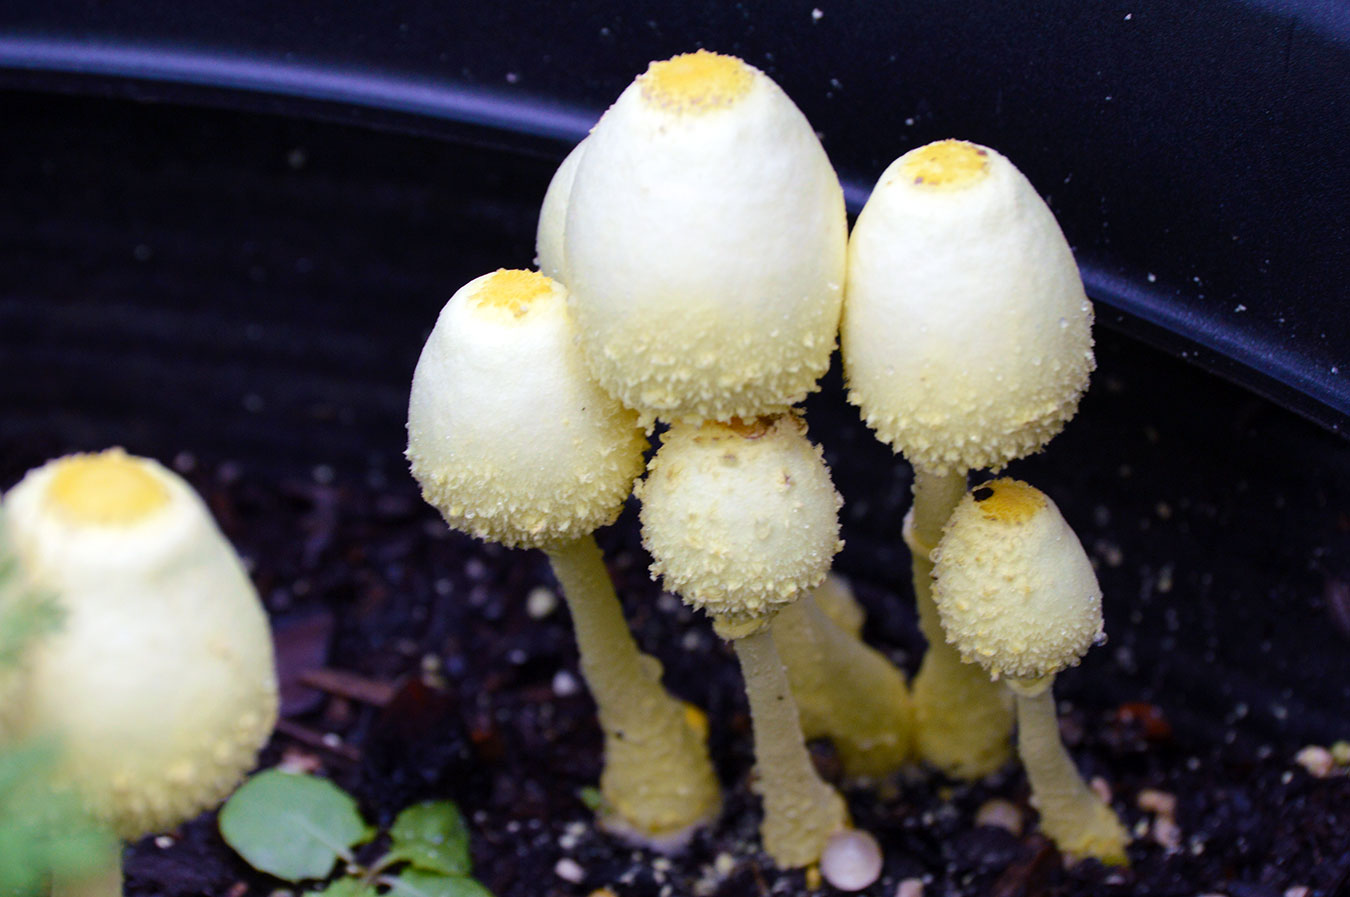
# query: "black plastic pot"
(226, 231)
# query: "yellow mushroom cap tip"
(108, 488)
(1013, 586)
(946, 163)
(696, 82)
(511, 289)
(740, 517)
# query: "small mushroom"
(741, 520)
(513, 442)
(1018, 596)
(160, 685)
(966, 341)
(705, 244)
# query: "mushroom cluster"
(696, 272)
(160, 686)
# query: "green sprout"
(297, 827)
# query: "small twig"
(350, 685)
(317, 740)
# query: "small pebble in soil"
(1000, 813)
(910, 887)
(569, 870)
(851, 860)
(1317, 760)
(541, 602)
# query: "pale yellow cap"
(160, 684)
(966, 335)
(740, 518)
(1013, 586)
(508, 436)
(705, 245)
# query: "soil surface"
(243, 298)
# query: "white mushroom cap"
(548, 242)
(160, 683)
(705, 243)
(507, 434)
(1013, 586)
(966, 334)
(740, 519)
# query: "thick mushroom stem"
(645, 728)
(1075, 818)
(845, 691)
(801, 810)
(963, 720)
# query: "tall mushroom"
(967, 341)
(741, 519)
(513, 443)
(705, 244)
(1017, 595)
(160, 685)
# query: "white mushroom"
(513, 442)
(705, 244)
(160, 685)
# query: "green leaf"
(26, 613)
(347, 887)
(432, 837)
(417, 883)
(42, 831)
(292, 826)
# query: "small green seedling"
(297, 827)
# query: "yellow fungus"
(696, 82)
(109, 488)
(946, 163)
(512, 290)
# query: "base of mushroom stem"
(669, 843)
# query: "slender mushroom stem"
(801, 810)
(106, 882)
(645, 728)
(963, 720)
(845, 690)
(1072, 814)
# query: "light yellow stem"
(845, 691)
(657, 780)
(1072, 814)
(964, 720)
(801, 810)
(106, 882)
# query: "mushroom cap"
(508, 436)
(160, 684)
(966, 335)
(740, 518)
(548, 242)
(705, 243)
(1012, 584)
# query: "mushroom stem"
(106, 882)
(801, 810)
(1072, 814)
(645, 728)
(963, 720)
(845, 690)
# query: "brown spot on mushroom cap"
(1008, 501)
(946, 164)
